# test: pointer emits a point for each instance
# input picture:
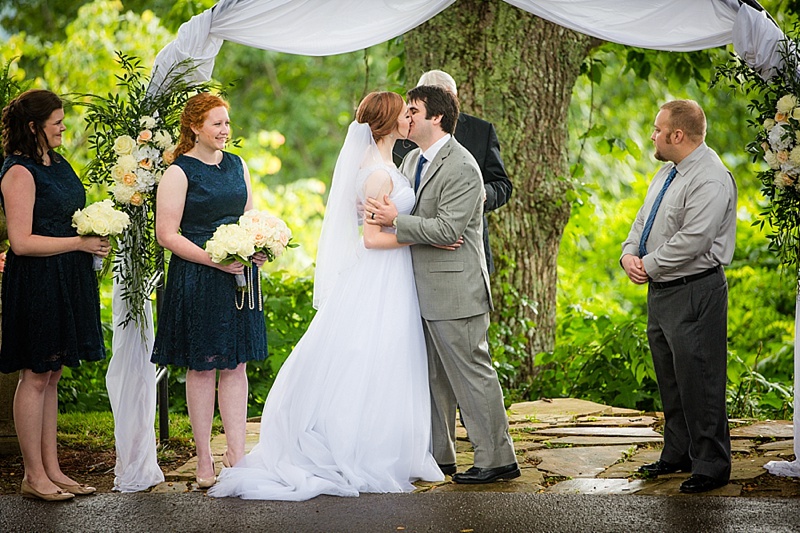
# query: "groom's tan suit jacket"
(450, 284)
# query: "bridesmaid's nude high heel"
(207, 482)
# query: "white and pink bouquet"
(256, 231)
(269, 233)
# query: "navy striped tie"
(648, 225)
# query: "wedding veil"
(339, 242)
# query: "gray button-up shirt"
(695, 226)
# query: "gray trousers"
(687, 328)
(461, 375)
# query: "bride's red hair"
(194, 114)
(380, 110)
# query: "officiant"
(682, 236)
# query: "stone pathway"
(569, 446)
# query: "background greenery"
(291, 114)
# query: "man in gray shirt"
(682, 236)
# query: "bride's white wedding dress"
(350, 408)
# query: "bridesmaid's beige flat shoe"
(76, 489)
(59, 496)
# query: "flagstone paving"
(571, 446)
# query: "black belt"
(684, 280)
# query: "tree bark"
(516, 71)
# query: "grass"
(95, 431)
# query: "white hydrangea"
(780, 138)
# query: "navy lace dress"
(51, 305)
(199, 326)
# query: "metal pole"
(162, 377)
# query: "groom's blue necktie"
(648, 225)
(420, 162)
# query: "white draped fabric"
(674, 25)
(131, 385)
(757, 41)
(306, 27)
(320, 27)
(323, 27)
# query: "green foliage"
(310, 100)
(751, 394)
(507, 336)
(10, 86)
(288, 310)
(598, 359)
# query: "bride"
(349, 411)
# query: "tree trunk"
(516, 71)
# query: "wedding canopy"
(322, 27)
(318, 27)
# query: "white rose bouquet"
(269, 233)
(231, 242)
(100, 218)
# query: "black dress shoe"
(448, 470)
(662, 467)
(488, 475)
(700, 483)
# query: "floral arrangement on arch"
(775, 107)
(132, 137)
(141, 161)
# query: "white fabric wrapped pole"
(787, 468)
(131, 385)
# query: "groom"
(453, 288)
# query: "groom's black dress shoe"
(662, 467)
(448, 470)
(700, 483)
(487, 475)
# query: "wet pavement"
(455, 512)
(578, 461)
